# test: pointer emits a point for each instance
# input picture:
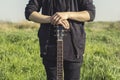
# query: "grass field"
(20, 60)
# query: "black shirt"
(74, 41)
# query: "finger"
(55, 19)
(68, 25)
(52, 19)
(65, 22)
(61, 23)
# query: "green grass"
(20, 60)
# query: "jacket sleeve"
(90, 7)
(33, 5)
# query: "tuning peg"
(55, 30)
(55, 35)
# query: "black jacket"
(74, 42)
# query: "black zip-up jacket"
(74, 41)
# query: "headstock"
(60, 32)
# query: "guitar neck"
(60, 60)
(60, 35)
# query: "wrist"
(68, 15)
(47, 19)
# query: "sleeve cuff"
(92, 15)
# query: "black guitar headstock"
(60, 32)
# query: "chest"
(61, 5)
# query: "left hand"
(58, 16)
(64, 23)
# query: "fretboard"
(60, 34)
(60, 60)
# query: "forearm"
(39, 18)
(81, 16)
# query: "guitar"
(60, 34)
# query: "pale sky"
(13, 10)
